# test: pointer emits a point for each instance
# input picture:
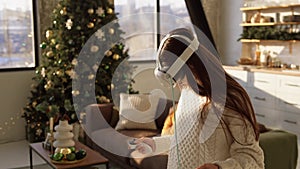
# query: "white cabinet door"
(288, 102)
(289, 84)
(290, 122)
(264, 81)
(240, 76)
(267, 116)
(262, 98)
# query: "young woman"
(215, 128)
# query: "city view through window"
(144, 18)
(16, 34)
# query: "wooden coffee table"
(92, 157)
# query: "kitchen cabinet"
(275, 97)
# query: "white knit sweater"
(220, 148)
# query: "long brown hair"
(201, 65)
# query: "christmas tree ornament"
(111, 31)
(53, 41)
(90, 25)
(69, 24)
(63, 11)
(100, 12)
(49, 34)
(108, 53)
(74, 62)
(58, 47)
(109, 11)
(43, 45)
(95, 67)
(59, 73)
(116, 57)
(39, 132)
(34, 104)
(75, 92)
(43, 72)
(50, 54)
(99, 34)
(71, 42)
(91, 76)
(112, 86)
(94, 48)
(90, 11)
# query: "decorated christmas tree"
(84, 45)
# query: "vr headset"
(166, 74)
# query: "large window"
(145, 22)
(17, 34)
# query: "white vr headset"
(166, 75)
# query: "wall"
(229, 31)
(14, 89)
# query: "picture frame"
(18, 35)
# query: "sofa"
(280, 147)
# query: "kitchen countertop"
(250, 68)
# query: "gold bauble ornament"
(111, 31)
(108, 53)
(75, 92)
(91, 76)
(116, 57)
(90, 11)
(59, 73)
(58, 46)
(90, 25)
(109, 11)
(63, 11)
(34, 104)
(53, 41)
(50, 54)
(49, 33)
(64, 151)
(94, 48)
(112, 86)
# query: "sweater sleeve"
(162, 144)
(245, 152)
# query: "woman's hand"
(208, 166)
(146, 140)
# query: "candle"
(51, 124)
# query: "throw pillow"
(137, 111)
(168, 128)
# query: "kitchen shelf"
(258, 41)
(270, 24)
(268, 41)
(279, 7)
(251, 18)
